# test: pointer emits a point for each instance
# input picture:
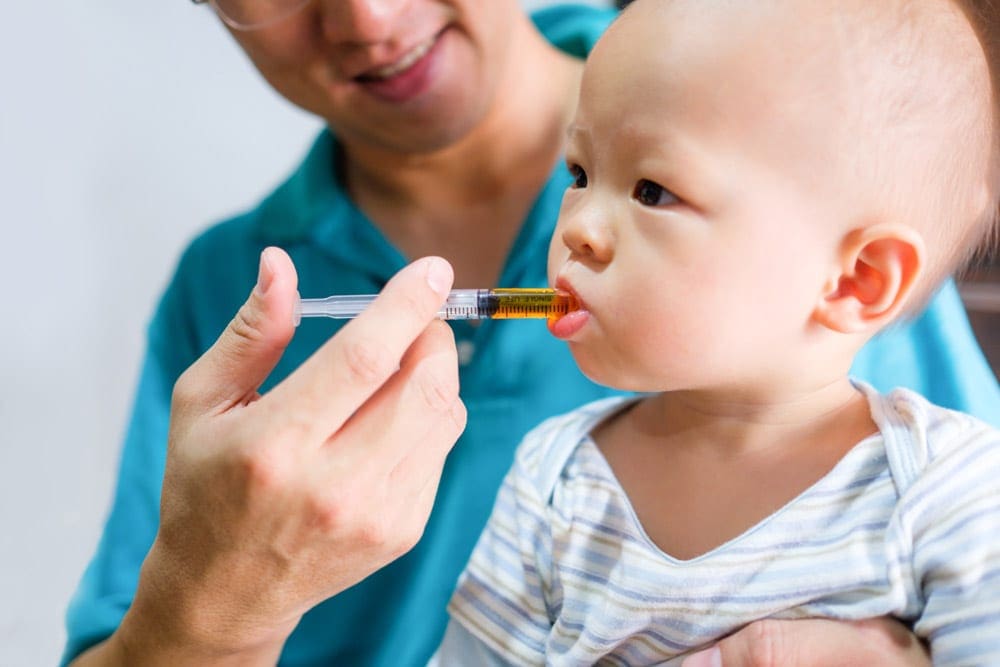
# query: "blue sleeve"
(936, 355)
(108, 584)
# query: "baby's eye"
(579, 176)
(649, 193)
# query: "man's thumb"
(232, 370)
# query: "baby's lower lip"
(567, 325)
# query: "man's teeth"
(403, 63)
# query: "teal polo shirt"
(513, 375)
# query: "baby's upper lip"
(563, 284)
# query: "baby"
(760, 187)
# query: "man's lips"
(407, 77)
(401, 64)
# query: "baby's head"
(767, 182)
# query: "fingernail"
(265, 275)
(438, 275)
(708, 658)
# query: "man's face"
(396, 75)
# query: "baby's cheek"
(647, 338)
(678, 339)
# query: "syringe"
(462, 304)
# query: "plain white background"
(125, 127)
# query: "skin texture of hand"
(816, 643)
(274, 503)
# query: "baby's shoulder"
(546, 450)
(924, 441)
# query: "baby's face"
(708, 150)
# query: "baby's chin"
(613, 373)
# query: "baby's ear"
(877, 270)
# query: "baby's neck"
(742, 420)
(700, 470)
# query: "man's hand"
(816, 643)
(273, 503)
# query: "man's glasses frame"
(237, 24)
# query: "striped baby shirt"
(906, 524)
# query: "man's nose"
(361, 21)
